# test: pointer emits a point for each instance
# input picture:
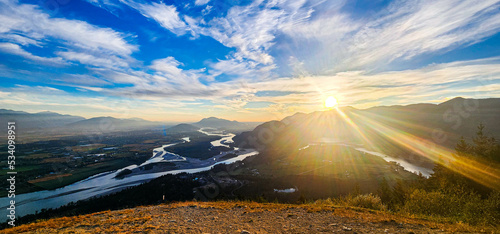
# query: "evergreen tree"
(463, 148)
(484, 146)
(398, 194)
(446, 177)
(384, 191)
(356, 190)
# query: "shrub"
(466, 207)
(428, 203)
(327, 202)
(483, 211)
(368, 201)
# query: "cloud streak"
(25, 24)
(301, 50)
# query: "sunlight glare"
(331, 102)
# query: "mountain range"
(451, 119)
(50, 121)
(109, 124)
(393, 130)
(47, 121)
(36, 121)
(213, 122)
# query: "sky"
(180, 61)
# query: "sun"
(331, 102)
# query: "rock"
(245, 232)
(346, 228)
(332, 224)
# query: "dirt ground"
(239, 217)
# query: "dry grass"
(49, 177)
(38, 156)
(87, 147)
(155, 219)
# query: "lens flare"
(331, 102)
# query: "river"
(105, 183)
(406, 165)
(226, 137)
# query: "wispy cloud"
(166, 15)
(201, 2)
(407, 29)
(302, 50)
(17, 50)
(26, 24)
(110, 61)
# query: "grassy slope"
(223, 216)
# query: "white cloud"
(329, 39)
(110, 61)
(21, 40)
(207, 10)
(201, 2)
(306, 93)
(167, 65)
(332, 52)
(17, 50)
(79, 80)
(333, 40)
(28, 25)
(40, 98)
(249, 30)
(477, 78)
(359, 87)
(240, 69)
(406, 30)
(166, 15)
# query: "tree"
(356, 190)
(463, 148)
(448, 176)
(484, 146)
(384, 191)
(399, 194)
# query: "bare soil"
(240, 217)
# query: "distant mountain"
(380, 127)
(213, 122)
(109, 124)
(48, 122)
(180, 128)
(34, 121)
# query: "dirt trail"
(238, 217)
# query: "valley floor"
(240, 217)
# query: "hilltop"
(42, 120)
(449, 120)
(240, 217)
(224, 124)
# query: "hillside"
(224, 124)
(180, 128)
(109, 124)
(49, 125)
(393, 130)
(35, 121)
(240, 217)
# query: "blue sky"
(241, 59)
